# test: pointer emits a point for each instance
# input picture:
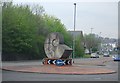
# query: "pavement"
(81, 66)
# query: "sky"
(101, 15)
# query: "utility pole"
(74, 31)
(91, 41)
(100, 34)
(91, 30)
(100, 50)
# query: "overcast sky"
(101, 16)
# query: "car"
(94, 55)
(116, 57)
(106, 54)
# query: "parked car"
(106, 54)
(94, 55)
(116, 57)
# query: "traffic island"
(52, 69)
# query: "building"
(76, 33)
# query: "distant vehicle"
(116, 57)
(106, 54)
(87, 51)
(94, 55)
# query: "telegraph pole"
(91, 30)
(74, 31)
(91, 41)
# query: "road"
(19, 76)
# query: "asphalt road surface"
(19, 76)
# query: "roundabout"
(53, 69)
(58, 61)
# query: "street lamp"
(74, 15)
(74, 31)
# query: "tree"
(21, 28)
(37, 9)
(24, 31)
(53, 24)
(0, 27)
(92, 42)
(79, 46)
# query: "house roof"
(76, 33)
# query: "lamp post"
(74, 31)
(74, 15)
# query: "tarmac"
(81, 66)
